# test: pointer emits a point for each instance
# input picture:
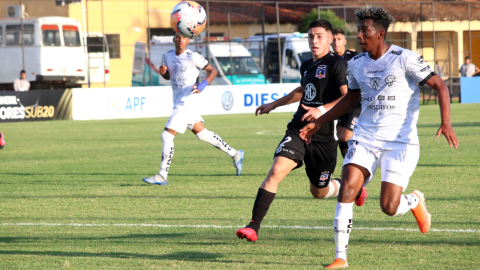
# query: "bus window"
(291, 61)
(14, 31)
(51, 35)
(71, 36)
(95, 45)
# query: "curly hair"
(378, 14)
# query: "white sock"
(342, 225)
(407, 202)
(333, 189)
(167, 153)
(215, 140)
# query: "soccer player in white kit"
(384, 79)
(180, 66)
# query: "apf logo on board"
(227, 100)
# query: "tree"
(325, 15)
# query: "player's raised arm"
(437, 84)
(292, 97)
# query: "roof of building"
(292, 11)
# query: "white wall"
(143, 102)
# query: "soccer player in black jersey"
(323, 84)
(346, 123)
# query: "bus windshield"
(240, 65)
(51, 35)
(71, 36)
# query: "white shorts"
(397, 163)
(181, 118)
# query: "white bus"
(99, 59)
(53, 55)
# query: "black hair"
(337, 31)
(468, 57)
(321, 23)
(23, 71)
(381, 18)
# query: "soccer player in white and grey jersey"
(180, 66)
(384, 78)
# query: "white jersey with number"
(389, 94)
(183, 71)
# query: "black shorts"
(320, 157)
(350, 119)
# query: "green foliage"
(89, 172)
(328, 15)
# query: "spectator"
(468, 68)
(21, 84)
(438, 69)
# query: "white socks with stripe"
(407, 202)
(342, 225)
(167, 153)
(215, 140)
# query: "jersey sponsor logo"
(375, 83)
(381, 107)
(420, 60)
(310, 92)
(351, 152)
(227, 100)
(391, 97)
(394, 172)
(321, 70)
(375, 71)
(390, 80)
(183, 68)
(358, 56)
(397, 52)
(425, 68)
(381, 97)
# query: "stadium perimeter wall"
(124, 103)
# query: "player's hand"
(264, 109)
(307, 132)
(195, 90)
(312, 113)
(448, 132)
(163, 70)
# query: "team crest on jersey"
(310, 92)
(420, 60)
(390, 80)
(375, 83)
(321, 71)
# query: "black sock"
(260, 208)
(343, 148)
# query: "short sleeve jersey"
(183, 68)
(321, 81)
(348, 55)
(389, 93)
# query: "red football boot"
(248, 233)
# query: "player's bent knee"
(389, 208)
(318, 193)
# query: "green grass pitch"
(89, 172)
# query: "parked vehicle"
(98, 58)
(232, 60)
(53, 54)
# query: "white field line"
(228, 227)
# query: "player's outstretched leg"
(167, 154)
(215, 140)
(2, 140)
(260, 208)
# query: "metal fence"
(443, 32)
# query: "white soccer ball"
(188, 19)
